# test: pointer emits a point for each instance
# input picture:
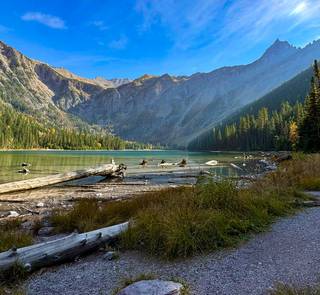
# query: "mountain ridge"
(158, 109)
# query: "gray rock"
(45, 231)
(152, 287)
(40, 205)
(13, 214)
(111, 255)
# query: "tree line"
(21, 131)
(292, 127)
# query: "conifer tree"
(309, 130)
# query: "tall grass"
(12, 236)
(188, 220)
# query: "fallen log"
(105, 170)
(60, 250)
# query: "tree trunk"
(56, 251)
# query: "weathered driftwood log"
(56, 251)
(108, 169)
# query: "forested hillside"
(18, 130)
(277, 121)
(264, 131)
(295, 90)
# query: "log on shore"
(105, 170)
(60, 250)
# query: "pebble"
(40, 205)
(45, 231)
(110, 255)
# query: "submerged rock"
(152, 287)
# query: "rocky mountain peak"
(279, 48)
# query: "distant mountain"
(282, 107)
(292, 91)
(159, 109)
(171, 109)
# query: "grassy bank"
(184, 221)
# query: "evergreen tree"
(309, 129)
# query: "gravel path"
(289, 253)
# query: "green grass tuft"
(282, 289)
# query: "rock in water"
(152, 287)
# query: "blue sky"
(128, 38)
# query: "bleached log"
(108, 169)
(60, 250)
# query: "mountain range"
(159, 109)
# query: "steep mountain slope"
(173, 110)
(159, 109)
(291, 92)
(40, 90)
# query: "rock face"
(170, 109)
(152, 287)
(159, 109)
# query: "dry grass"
(291, 290)
(12, 291)
(12, 236)
(184, 221)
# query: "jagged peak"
(145, 77)
(279, 46)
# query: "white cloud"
(300, 8)
(204, 22)
(48, 20)
(120, 43)
(186, 20)
(100, 25)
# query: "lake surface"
(51, 162)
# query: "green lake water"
(50, 162)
